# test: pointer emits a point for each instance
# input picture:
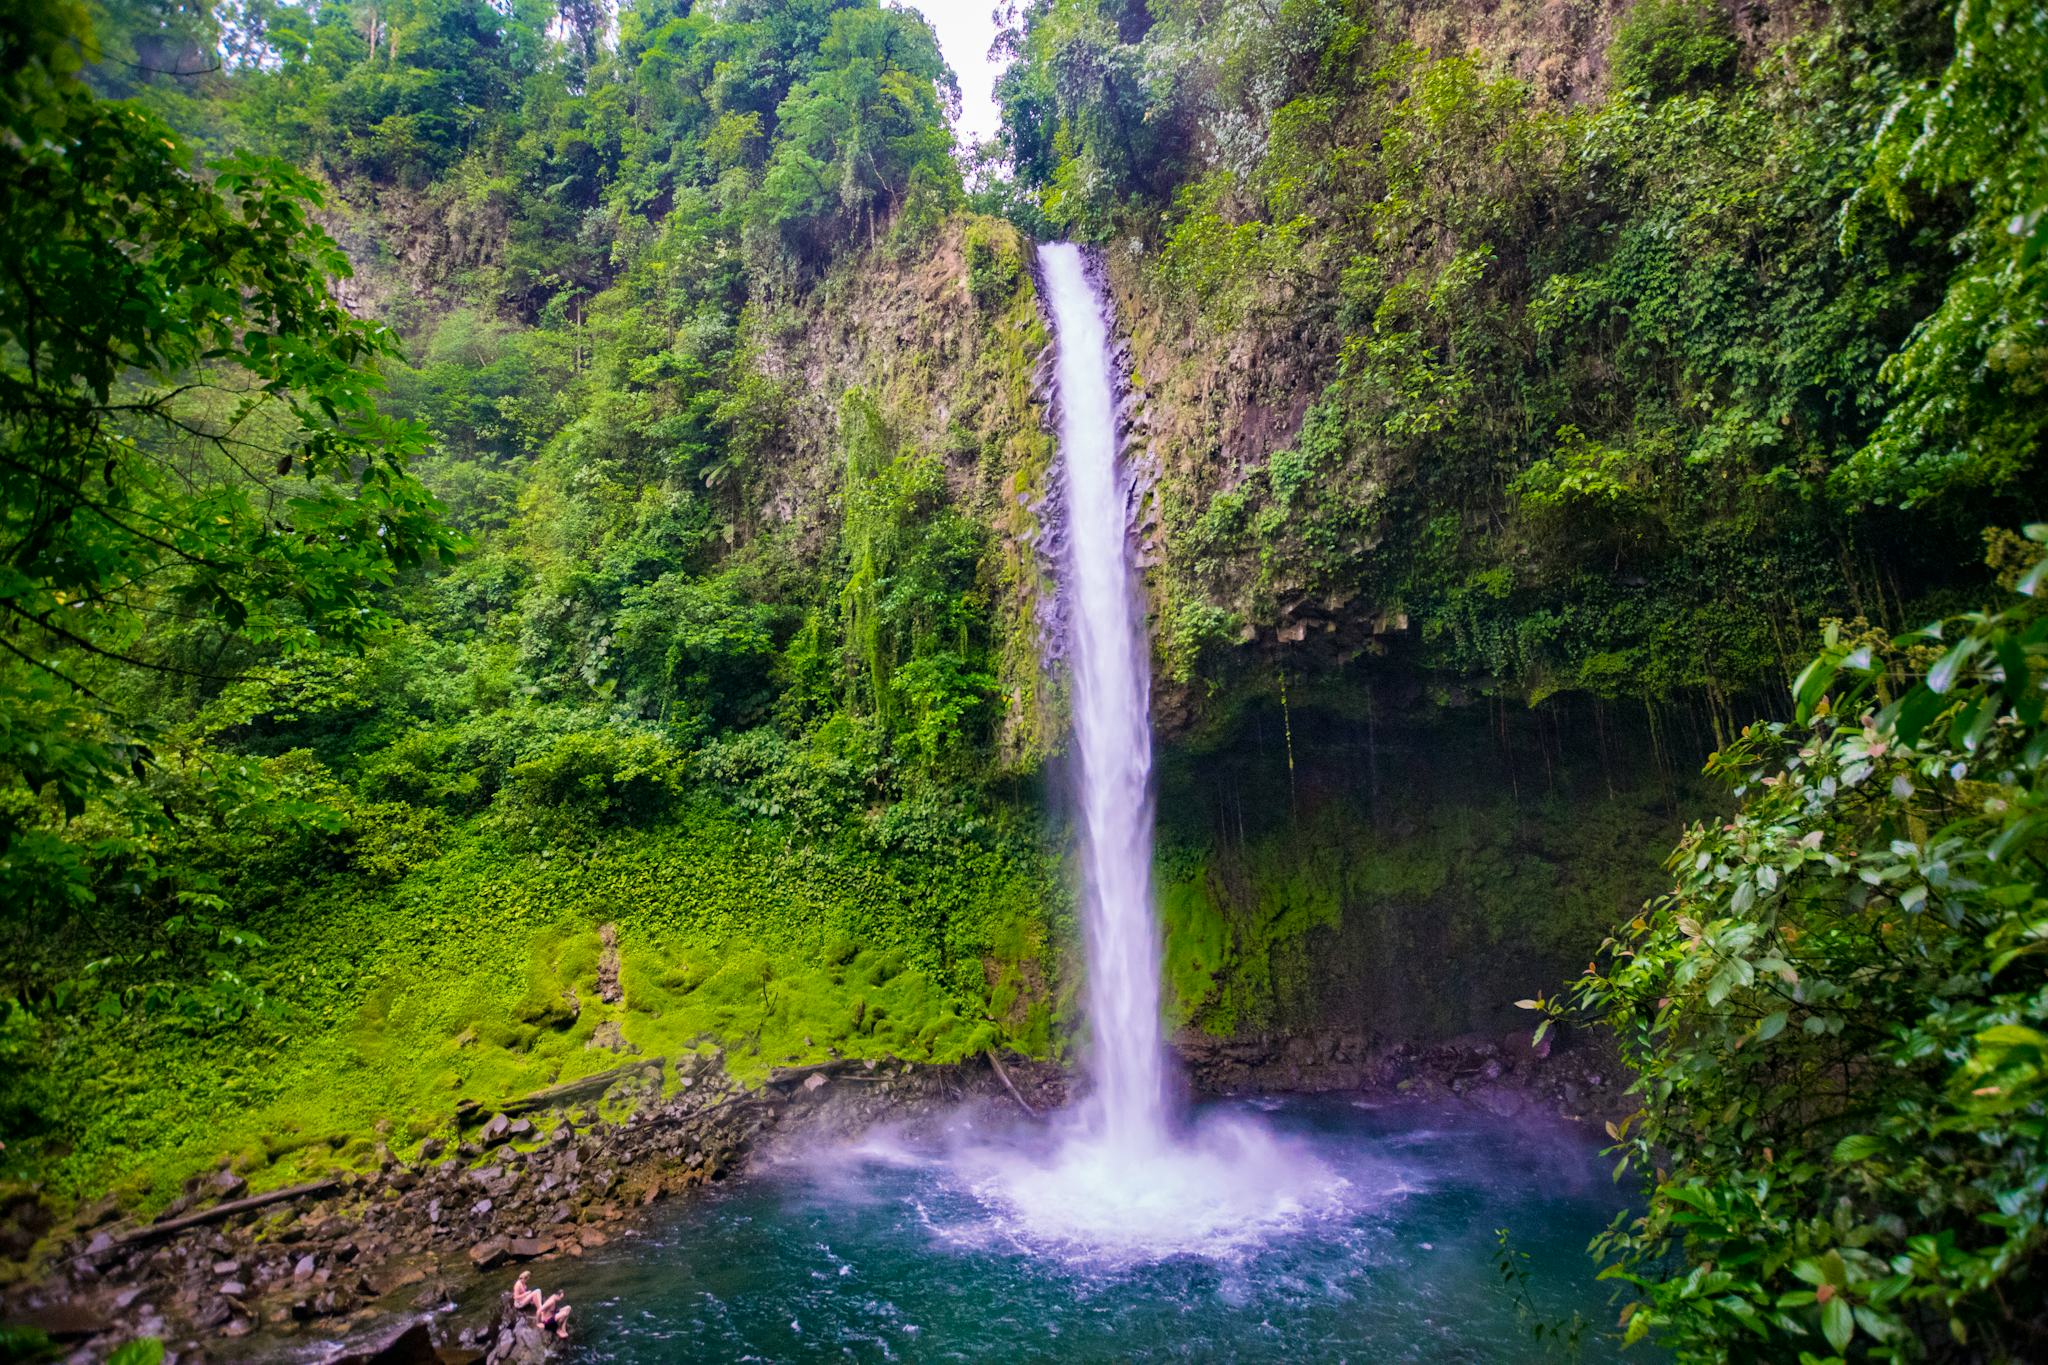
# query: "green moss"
(1423, 915)
(477, 977)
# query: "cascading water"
(1123, 1229)
(1124, 1180)
(1112, 719)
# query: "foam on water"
(1224, 1187)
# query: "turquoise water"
(894, 1249)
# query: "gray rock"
(494, 1252)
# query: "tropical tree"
(196, 473)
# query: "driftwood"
(1008, 1084)
(170, 1227)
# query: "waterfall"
(1111, 698)
(1122, 1180)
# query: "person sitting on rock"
(551, 1316)
(522, 1296)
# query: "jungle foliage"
(420, 649)
(198, 476)
(1839, 1014)
(1627, 376)
(1616, 385)
(272, 706)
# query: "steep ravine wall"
(1390, 858)
(946, 338)
(1396, 873)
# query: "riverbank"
(341, 1268)
(224, 1274)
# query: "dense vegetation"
(505, 497)
(320, 785)
(1618, 381)
(1840, 1016)
(1627, 379)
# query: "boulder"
(101, 1210)
(412, 1344)
(486, 1254)
(392, 1279)
(516, 1339)
(62, 1321)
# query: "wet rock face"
(1574, 1075)
(358, 1256)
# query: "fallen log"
(170, 1227)
(568, 1092)
(1008, 1084)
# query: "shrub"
(1839, 1019)
(1672, 47)
(994, 262)
(596, 778)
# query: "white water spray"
(1112, 720)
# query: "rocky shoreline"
(403, 1264)
(1571, 1075)
(346, 1269)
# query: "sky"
(966, 28)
